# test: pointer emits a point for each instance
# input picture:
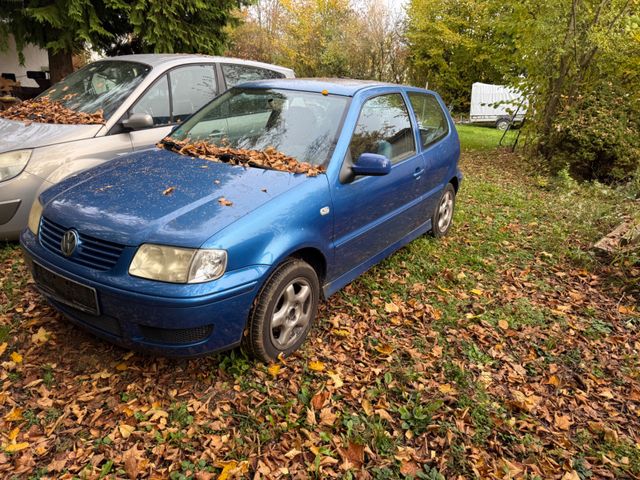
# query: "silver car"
(142, 97)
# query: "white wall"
(35, 58)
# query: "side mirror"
(138, 121)
(371, 164)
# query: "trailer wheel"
(503, 124)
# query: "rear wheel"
(502, 124)
(284, 311)
(442, 217)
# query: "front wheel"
(283, 312)
(442, 217)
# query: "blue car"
(273, 196)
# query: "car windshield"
(101, 85)
(302, 125)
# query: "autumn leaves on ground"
(506, 350)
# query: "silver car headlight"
(12, 163)
(34, 217)
(178, 265)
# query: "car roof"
(173, 59)
(335, 86)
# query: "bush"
(596, 138)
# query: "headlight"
(178, 265)
(34, 216)
(12, 163)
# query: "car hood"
(18, 135)
(157, 196)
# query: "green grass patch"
(483, 138)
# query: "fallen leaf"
(16, 357)
(273, 369)
(41, 336)
(391, 307)
(319, 400)
(503, 324)
(316, 366)
(477, 291)
(15, 415)
(563, 422)
(336, 379)
(126, 430)
(366, 406)
(168, 191)
(224, 202)
(3, 347)
(409, 468)
(131, 463)
(16, 447)
(572, 475)
(327, 417)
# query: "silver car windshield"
(102, 85)
(303, 125)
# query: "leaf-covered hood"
(157, 196)
(16, 135)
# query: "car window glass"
(235, 74)
(155, 102)
(191, 88)
(431, 119)
(383, 127)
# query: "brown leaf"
(409, 468)
(131, 462)
(224, 202)
(168, 191)
(327, 417)
(319, 400)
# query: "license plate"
(65, 290)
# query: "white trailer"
(496, 105)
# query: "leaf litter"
(45, 110)
(400, 377)
(269, 158)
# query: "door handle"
(418, 172)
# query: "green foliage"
(189, 26)
(456, 43)
(597, 138)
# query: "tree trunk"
(60, 64)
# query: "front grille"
(179, 336)
(90, 252)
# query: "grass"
(483, 138)
(504, 326)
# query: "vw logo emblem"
(69, 242)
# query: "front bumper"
(176, 320)
(16, 197)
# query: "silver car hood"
(15, 135)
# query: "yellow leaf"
(122, 367)
(316, 366)
(16, 447)
(13, 434)
(446, 388)
(366, 406)
(503, 324)
(384, 349)
(16, 357)
(274, 369)
(232, 468)
(477, 291)
(14, 415)
(41, 336)
(126, 430)
(391, 308)
(337, 381)
(3, 347)
(341, 333)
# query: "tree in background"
(336, 38)
(66, 26)
(454, 43)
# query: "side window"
(383, 127)
(155, 102)
(431, 119)
(235, 74)
(191, 88)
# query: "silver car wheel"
(445, 211)
(292, 314)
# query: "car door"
(171, 99)
(374, 212)
(433, 127)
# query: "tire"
(282, 301)
(442, 217)
(502, 124)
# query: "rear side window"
(431, 119)
(383, 127)
(191, 88)
(235, 74)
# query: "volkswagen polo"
(270, 198)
